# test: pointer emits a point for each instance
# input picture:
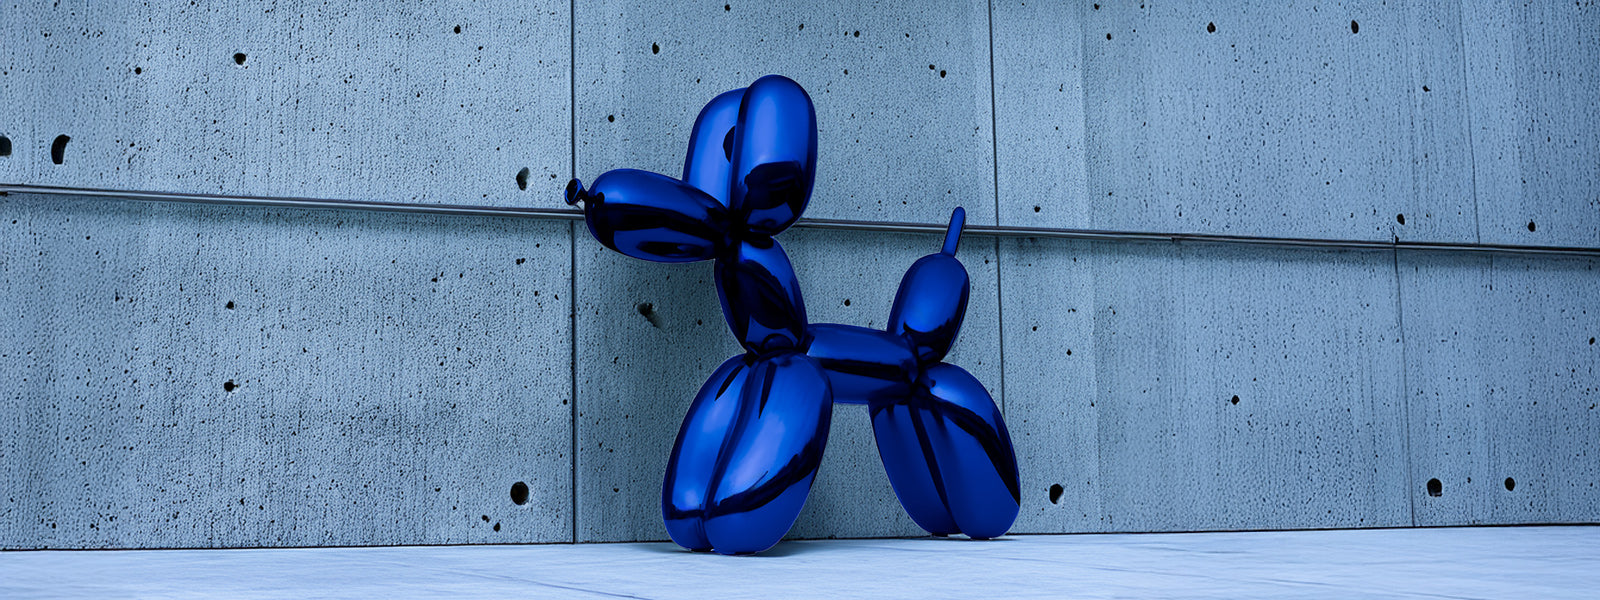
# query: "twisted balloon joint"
(750, 445)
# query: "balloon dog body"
(750, 445)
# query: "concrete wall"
(188, 376)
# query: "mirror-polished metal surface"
(652, 217)
(749, 448)
(760, 295)
(747, 453)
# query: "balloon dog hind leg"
(944, 445)
(941, 438)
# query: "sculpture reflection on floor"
(749, 448)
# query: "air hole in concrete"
(1211, 27)
(58, 148)
(497, 527)
(1401, 218)
(1035, 209)
(941, 73)
(522, 179)
(1235, 400)
(1425, 89)
(655, 48)
(229, 305)
(458, 29)
(228, 386)
(1435, 488)
(238, 58)
(858, 34)
(1055, 493)
(847, 302)
(1531, 225)
(5, 146)
(1355, 27)
(519, 493)
(1511, 484)
(611, 118)
(648, 311)
(138, 70)
(521, 260)
(1108, 36)
(1591, 341)
(727, 7)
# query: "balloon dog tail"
(952, 235)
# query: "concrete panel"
(1298, 120)
(648, 335)
(1502, 385)
(1039, 114)
(1123, 363)
(188, 376)
(433, 102)
(902, 93)
(1534, 81)
(638, 369)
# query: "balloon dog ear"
(774, 155)
(709, 163)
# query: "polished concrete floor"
(1499, 562)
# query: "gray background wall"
(189, 376)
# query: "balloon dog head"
(754, 435)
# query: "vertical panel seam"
(994, 121)
(994, 157)
(1466, 101)
(1405, 387)
(572, 247)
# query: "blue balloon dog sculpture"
(749, 448)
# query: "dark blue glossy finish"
(862, 363)
(760, 295)
(709, 162)
(697, 454)
(774, 155)
(750, 445)
(747, 453)
(932, 299)
(948, 455)
(650, 216)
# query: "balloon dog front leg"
(751, 443)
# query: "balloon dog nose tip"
(952, 236)
(575, 192)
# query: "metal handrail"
(827, 224)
